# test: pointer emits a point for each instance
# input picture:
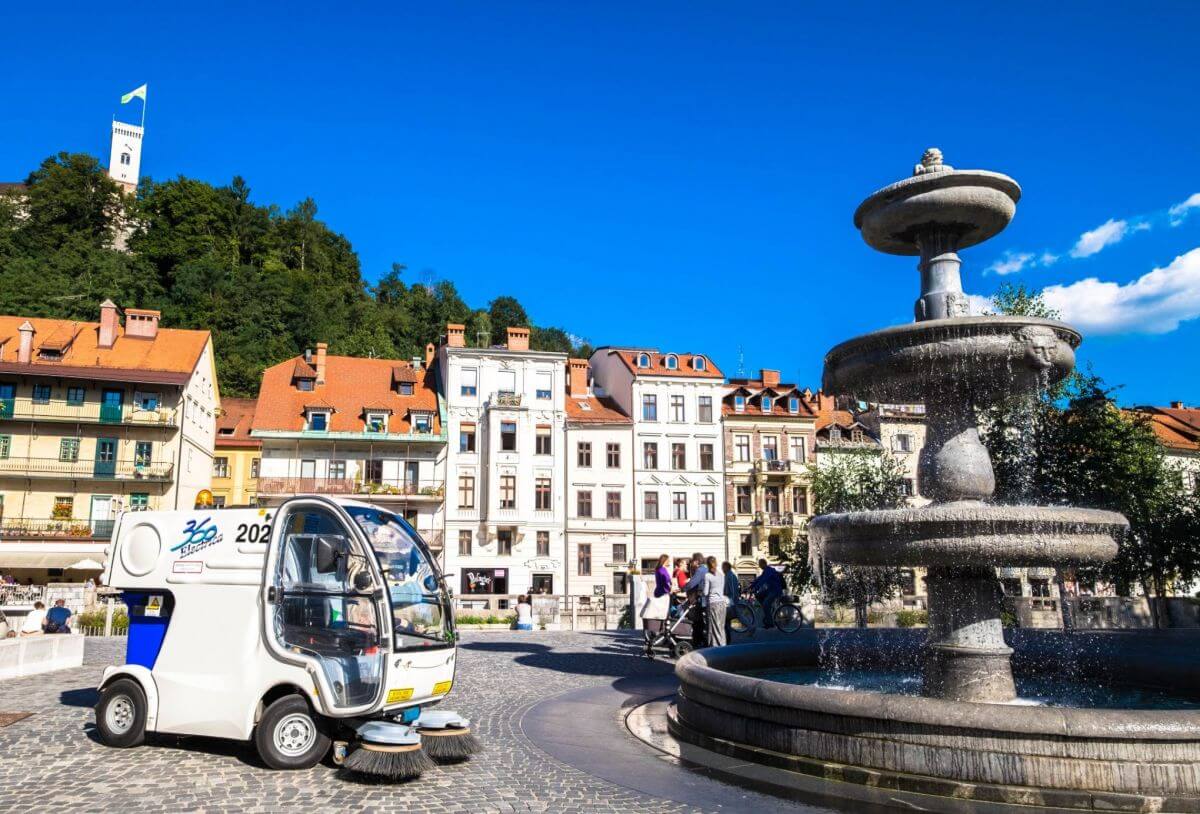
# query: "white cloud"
(1179, 211)
(979, 305)
(1010, 263)
(1048, 259)
(1154, 303)
(1106, 234)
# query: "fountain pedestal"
(967, 658)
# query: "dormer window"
(643, 360)
(767, 404)
(318, 420)
(305, 385)
(699, 364)
(739, 404)
(671, 362)
(377, 422)
(835, 433)
(856, 436)
(793, 405)
(422, 422)
(404, 388)
(50, 354)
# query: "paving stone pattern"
(52, 762)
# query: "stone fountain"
(966, 737)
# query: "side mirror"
(327, 555)
(363, 581)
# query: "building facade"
(237, 456)
(599, 489)
(505, 507)
(341, 425)
(674, 401)
(770, 435)
(96, 417)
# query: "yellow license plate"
(442, 687)
(396, 696)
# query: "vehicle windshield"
(420, 606)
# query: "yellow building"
(237, 455)
(96, 417)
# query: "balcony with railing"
(778, 519)
(55, 528)
(406, 489)
(767, 467)
(503, 399)
(103, 470)
(87, 412)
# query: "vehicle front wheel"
(121, 714)
(788, 618)
(290, 736)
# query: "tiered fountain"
(965, 738)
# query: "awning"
(51, 555)
(85, 565)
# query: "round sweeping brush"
(397, 762)
(450, 745)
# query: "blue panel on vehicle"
(411, 714)
(146, 633)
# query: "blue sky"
(681, 175)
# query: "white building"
(125, 155)
(599, 490)
(505, 506)
(678, 456)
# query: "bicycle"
(748, 611)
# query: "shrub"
(475, 619)
(95, 619)
(911, 618)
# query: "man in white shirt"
(33, 622)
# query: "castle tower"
(125, 156)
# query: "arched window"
(672, 362)
(643, 360)
(699, 364)
(124, 158)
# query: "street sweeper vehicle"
(316, 625)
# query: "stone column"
(967, 659)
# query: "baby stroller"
(676, 636)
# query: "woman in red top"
(681, 574)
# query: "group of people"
(713, 590)
(41, 621)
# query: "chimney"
(25, 349)
(577, 375)
(770, 378)
(430, 350)
(518, 339)
(108, 324)
(456, 335)
(1175, 405)
(141, 323)
(416, 362)
(320, 365)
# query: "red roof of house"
(234, 422)
(1176, 427)
(754, 390)
(592, 410)
(352, 386)
(658, 364)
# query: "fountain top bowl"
(969, 206)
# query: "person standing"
(681, 573)
(733, 593)
(657, 606)
(715, 603)
(524, 613)
(696, 588)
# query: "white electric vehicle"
(318, 624)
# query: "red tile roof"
(1176, 427)
(658, 366)
(233, 424)
(352, 385)
(592, 410)
(753, 390)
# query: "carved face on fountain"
(1042, 348)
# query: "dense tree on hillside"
(267, 282)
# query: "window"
(741, 447)
(768, 404)
(704, 409)
(671, 362)
(542, 445)
(144, 400)
(41, 394)
(643, 360)
(614, 506)
(422, 422)
(544, 381)
(64, 507)
(5, 445)
(708, 506)
(706, 457)
(143, 453)
(464, 543)
(585, 560)
(125, 159)
(679, 505)
(504, 542)
(770, 448)
(318, 421)
(699, 363)
(220, 467)
(507, 382)
(650, 505)
(466, 438)
(747, 546)
(376, 422)
(583, 503)
(304, 384)
(835, 433)
(799, 448)
(1039, 588)
(583, 454)
(678, 456)
(75, 396)
(793, 405)
(255, 463)
(907, 487)
(139, 501)
(404, 388)
(218, 501)
(742, 496)
(620, 552)
(857, 436)
(771, 499)
(543, 544)
(508, 491)
(800, 501)
(902, 442)
(508, 436)
(373, 470)
(68, 449)
(773, 549)
(337, 470)
(650, 454)
(469, 381)
(541, 494)
(649, 407)
(466, 491)
(739, 404)
(613, 454)
(677, 413)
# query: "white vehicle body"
(248, 618)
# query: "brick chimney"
(456, 335)
(109, 324)
(577, 375)
(320, 365)
(430, 350)
(770, 378)
(141, 323)
(518, 339)
(25, 349)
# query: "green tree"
(506, 312)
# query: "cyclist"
(768, 587)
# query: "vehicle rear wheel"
(121, 714)
(290, 736)
(788, 618)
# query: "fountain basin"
(952, 751)
(983, 357)
(969, 534)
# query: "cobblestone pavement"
(51, 761)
